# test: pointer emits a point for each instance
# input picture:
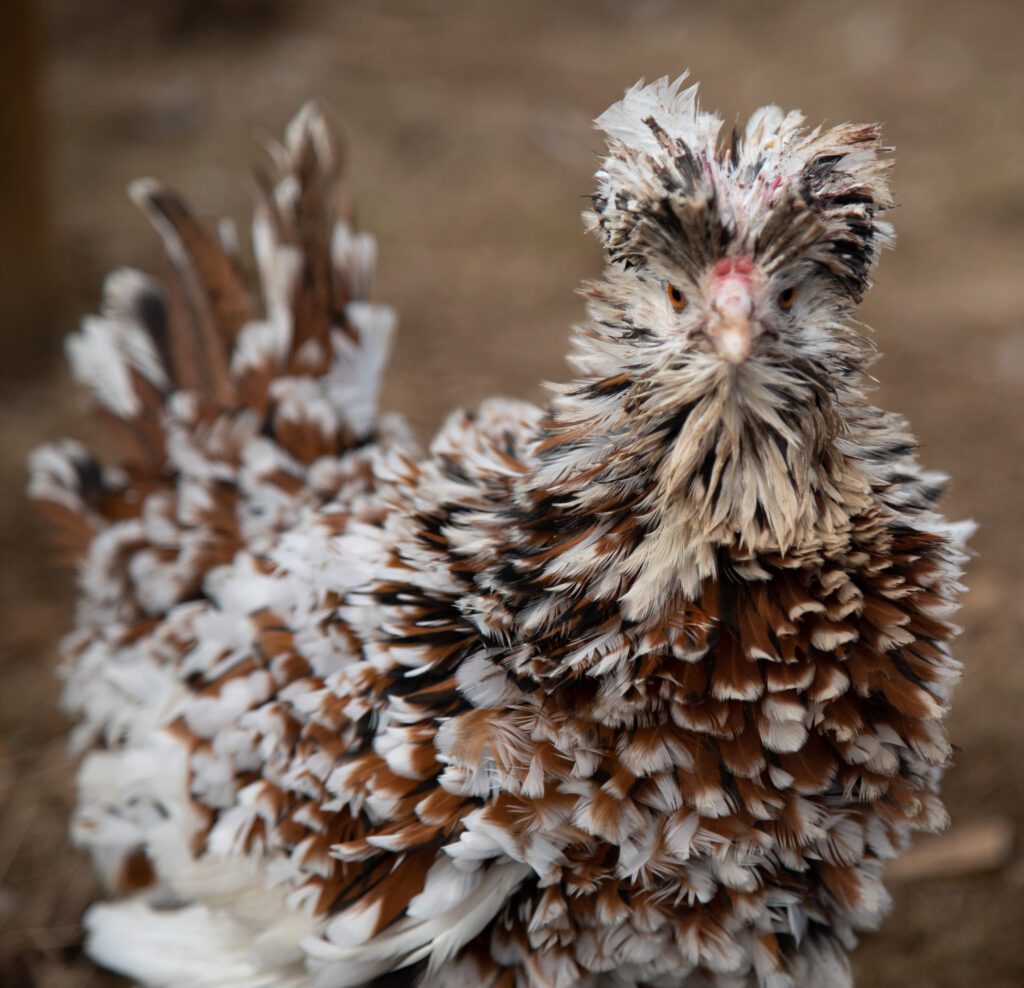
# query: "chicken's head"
(750, 249)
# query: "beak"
(733, 339)
(730, 329)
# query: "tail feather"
(245, 401)
(66, 483)
(207, 302)
(242, 400)
(297, 347)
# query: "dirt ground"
(471, 149)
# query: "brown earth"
(471, 152)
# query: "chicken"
(641, 688)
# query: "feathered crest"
(671, 191)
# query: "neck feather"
(689, 456)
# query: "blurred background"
(471, 155)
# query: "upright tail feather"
(243, 406)
(293, 354)
(240, 404)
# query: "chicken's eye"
(786, 298)
(676, 298)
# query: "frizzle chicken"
(641, 688)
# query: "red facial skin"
(732, 307)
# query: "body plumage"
(639, 688)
